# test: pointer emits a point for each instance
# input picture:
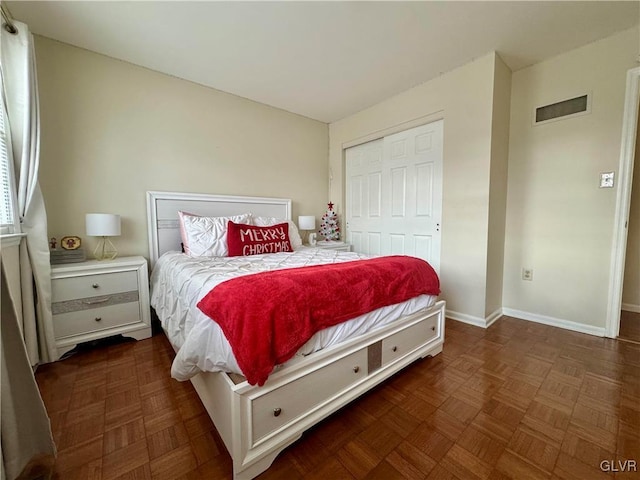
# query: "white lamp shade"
(102, 225)
(307, 222)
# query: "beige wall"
(559, 223)
(464, 99)
(498, 187)
(112, 131)
(631, 287)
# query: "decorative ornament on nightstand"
(329, 227)
(71, 250)
(70, 242)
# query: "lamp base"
(105, 250)
(312, 239)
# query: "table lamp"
(308, 223)
(103, 225)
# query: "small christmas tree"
(329, 228)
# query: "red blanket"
(268, 316)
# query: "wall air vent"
(565, 109)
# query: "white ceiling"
(323, 60)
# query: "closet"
(394, 194)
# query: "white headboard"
(163, 207)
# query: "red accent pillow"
(243, 240)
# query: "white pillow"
(294, 235)
(207, 236)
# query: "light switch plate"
(606, 179)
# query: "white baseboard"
(531, 317)
(629, 307)
(472, 320)
(464, 318)
(555, 322)
(493, 317)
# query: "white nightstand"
(339, 246)
(97, 299)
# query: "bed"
(257, 422)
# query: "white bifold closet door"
(394, 194)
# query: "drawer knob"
(98, 319)
(277, 411)
(95, 285)
(394, 349)
(433, 328)
(356, 369)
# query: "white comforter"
(178, 282)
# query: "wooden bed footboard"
(257, 423)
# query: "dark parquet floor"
(518, 400)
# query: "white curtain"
(27, 447)
(21, 95)
(28, 451)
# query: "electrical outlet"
(606, 179)
(527, 274)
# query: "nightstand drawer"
(84, 286)
(95, 319)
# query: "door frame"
(623, 202)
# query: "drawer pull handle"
(433, 328)
(95, 285)
(394, 349)
(277, 411)
(100, 300)
(98, 319)
(356, 369)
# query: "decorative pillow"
(294, 235)
(244, 239)
(207, 236)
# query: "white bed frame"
(257, 423)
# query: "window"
(8, 215)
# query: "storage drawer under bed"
(400, 344)
(286, 403)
